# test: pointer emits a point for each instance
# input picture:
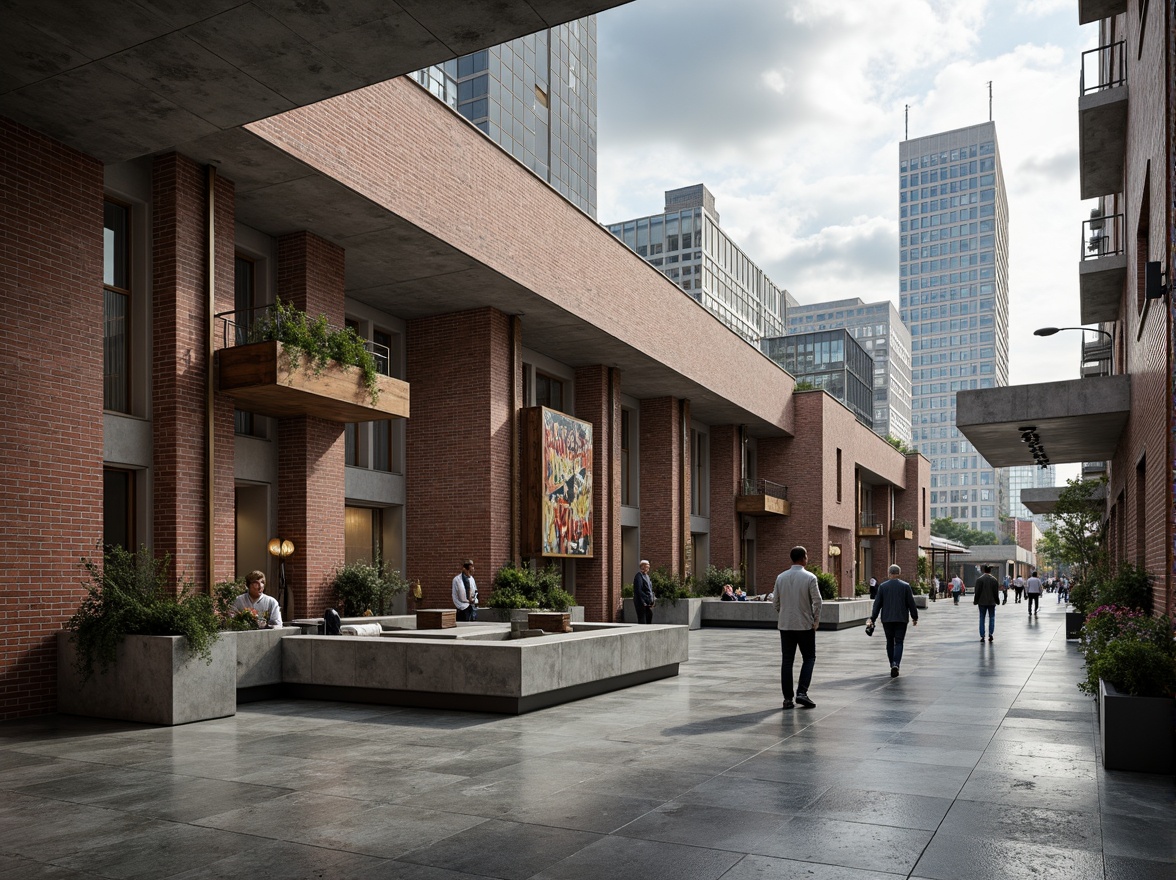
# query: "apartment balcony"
(1097, 358)
(1045, 500)
(762, 498)
(869, 526)
(1093, 470)
(263, 378)
(1048, 423)
(1102, 120)
(1097, 10)
(1102, 270)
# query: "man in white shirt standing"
(465, 592)
(1033, 593)
(798, 610)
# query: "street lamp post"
(1050, 331)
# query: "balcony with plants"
(762, 498)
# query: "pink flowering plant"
(1132, 650)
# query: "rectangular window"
(838, 476)
(116, 282)
(118, 508)
(626, 441)
(699, 476)
(245, 315)
(548, 391)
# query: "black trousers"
(1034, 600)
(644, 613)
(790, 640)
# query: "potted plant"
(521, 587)
(902, 530)
(677, 603)
(363, 588)
(142, 648)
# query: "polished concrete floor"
(979, 761)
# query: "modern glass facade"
(536, 97)
(954, 299)
(832, 360)
(686, 243)
(1029, 477)
(880, 331)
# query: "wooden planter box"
(550, 621)
(154, 679)
(901, 534)
(260, 378)
(436, 618)
(1136, 732)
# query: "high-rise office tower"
(954, 299)
(879, 329)
(687, 245)
(1029, 477)
(536, 97)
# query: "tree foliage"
(899, 444)
(946, 527)
(1076, 537)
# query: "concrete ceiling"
(1076, 420)
(398, 268)
(1044, 500)
(121, 80)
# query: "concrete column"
(725, 462)
(598, 580)
(664, 504)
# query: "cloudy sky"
(791, 112)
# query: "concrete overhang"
(1100, 288)
(121, 80)
(1102, 141)
(1076, 420)
(1044, 500)
(665, 344)
(1097, 10)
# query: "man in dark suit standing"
(643, 598)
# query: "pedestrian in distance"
(1018, 588)
(798, 612)
(643, 597)
(895, 606)
(957, 587)
(1033, 594)
(986, 596)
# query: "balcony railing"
(764, 487)
(869, 525)
(762, 498)
(1102, 237)
(263, 323)
(1104, 68)
(1097, 357)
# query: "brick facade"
(665, 489)
(598, 580)
(50, 402)
(726, 466)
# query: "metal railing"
(869, 521)
(1102, 237)
(263, 323)
(1108, 67)
(763, 487)
(1097, 357)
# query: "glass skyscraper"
(536, 97)
(832, 360)
(954, 299)
(686, 243)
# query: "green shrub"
(361, 587)
(520, 587)
(715, 578)
(669, 587)
(133, 594)
(1131, 586)
(860, 590)
(223, 596)
(826, 583)
(1083, 595)
(1130, 649)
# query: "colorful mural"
(567, 485)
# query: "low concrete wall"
(681, 612)
(758, 615)
(482, 674)
(503, 615)
(846, 613)
(259, 661)
(154, 679)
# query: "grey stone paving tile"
(1137, 794)
(766, 868)
(289, 817)
(704, 825)
(1065, 829)
(654, 784)
(158, 852)
(758, 795)
(1032, 789)
(280, 860)
(943, 755)
(967, 857)
(38, 769)
(1051, 751)
(1129, 836)
(502, 849)
(848, 844)
(21, 868)
(479, 796)
(581, 810)
(879, 808)
(1036, 765)
(1128, 868)
(186, 798)
(47, 830)
(646, 859)
(83, 788)
(387, 831)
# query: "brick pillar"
(775, 536)
(908, 506)
(311, 451)
(458, 477)
(726, 461)
(665, 492)
(180, 334)
(598, 580)
(50, 403)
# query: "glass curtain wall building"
(954, 299)
(832, 360)
(880, 331)
(686, 243)
(536, 98)
(1029, 477)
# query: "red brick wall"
(662, 496)
(598, 580)
(50, 402)
(457, 476)
(311, 452)
(725, 465)
(180, 333)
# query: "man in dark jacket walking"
(987, 596)
(643, 597)
(895, 603)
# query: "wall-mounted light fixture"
(1154, 287)
(835, 550)
(281, 550)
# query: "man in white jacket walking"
(798, 611)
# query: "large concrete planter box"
(682, 612)
(259, 661)
(506, 615)
(845, 613)
(1136, 732)
(154, 679)
(921, 600)
(1074, 621)
(755, 615)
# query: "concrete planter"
(682, 612)
(259, 661)
(845, 613)
(1074, 621)
(154, 679)
(921, 600)
(506, 615)
(755, 615)
(1136, 732)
